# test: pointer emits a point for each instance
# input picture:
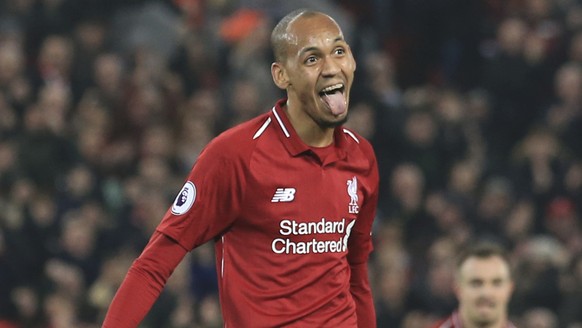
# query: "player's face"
(320, 69)
(484, 287)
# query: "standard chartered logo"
(289, 228)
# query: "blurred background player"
(483, 286)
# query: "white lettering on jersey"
(185, 199)
(283, 195)
(287, 246)
(292, 228)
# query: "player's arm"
(206, 206)
(144, 282)
(359, 249)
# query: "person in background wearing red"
(483, 286)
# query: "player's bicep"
(208, 203)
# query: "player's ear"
(279, 74)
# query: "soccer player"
(288, 197)
(483, 285)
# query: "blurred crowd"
(474, 109)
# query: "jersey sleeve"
(209, 201)
(360, 247)
(144, 282)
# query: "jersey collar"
(294, 145)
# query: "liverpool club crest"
(353, 207)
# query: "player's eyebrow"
(313, 48)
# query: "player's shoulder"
(354, 139)
(239, 139)
(451, 321)
(442, 324)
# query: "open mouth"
(333, 97)
(332, 89)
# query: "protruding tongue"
(336, 102)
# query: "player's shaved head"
(281, 37)
(483, 250)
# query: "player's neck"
(311, 133)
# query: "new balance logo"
(283, 195)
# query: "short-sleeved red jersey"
(289, 227)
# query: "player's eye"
(310, 60)
(475, 283)
(497, 282)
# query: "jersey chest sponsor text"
(318, 232)
(314, 217)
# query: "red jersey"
(454, 321)
(292, 230)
